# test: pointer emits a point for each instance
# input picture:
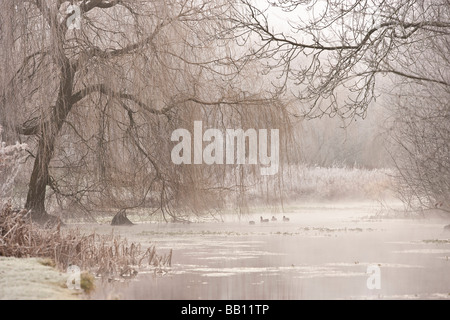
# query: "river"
(324, 252)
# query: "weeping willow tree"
(98, 86)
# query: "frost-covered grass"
(306, 183)
(105, 255)
(29, 279)
(339, 183)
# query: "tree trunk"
(49, 132)
(120, 219)
(40, 177)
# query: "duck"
(264, 220)
(274, 219)
(252, 223)
(285, 219)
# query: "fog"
(239, 149)
(324, 252)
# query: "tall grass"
(339, 182)
(315, 183)
(104, 255)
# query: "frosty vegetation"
(104, 255)
(11, 159)
(357, 91)
(97, 104)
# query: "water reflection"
(318, 255)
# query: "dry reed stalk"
(105, 255)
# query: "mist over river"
(323, 252)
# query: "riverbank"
(29, 279)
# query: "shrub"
(104, 255)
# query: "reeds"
(104, 255)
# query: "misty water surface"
(322, 253)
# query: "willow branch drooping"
(101, 101)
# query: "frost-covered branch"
(11, 158)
